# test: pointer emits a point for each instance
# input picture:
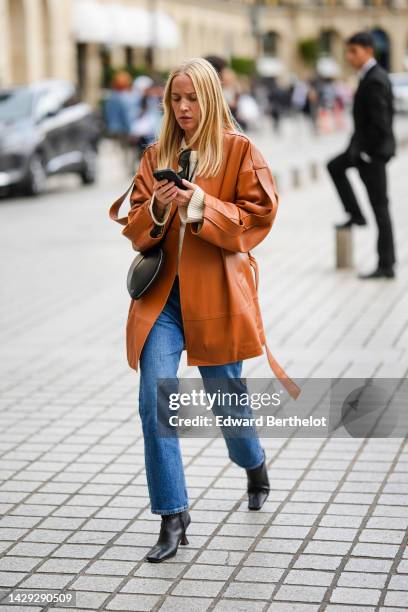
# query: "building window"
(270, 44)
(81, 52)
(388, 3)
(330, 2)
(326, 42)
(129, 56)
(106, 61)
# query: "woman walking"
(204, 299)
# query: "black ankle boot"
(258, 487)
(172, 533)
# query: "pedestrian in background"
(119, 108)
(278, 102)
(371, 147)
(229, 82)
(146, 122)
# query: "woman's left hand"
(183, 196)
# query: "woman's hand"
(165, 192)
(183, 196)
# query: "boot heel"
(183, 540)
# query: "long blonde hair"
(215, 117)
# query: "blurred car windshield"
(15, 104)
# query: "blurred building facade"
(77, 39)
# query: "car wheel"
(88, 171)
(36, 176)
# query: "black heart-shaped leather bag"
(143, 270)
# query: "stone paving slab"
(73, 497)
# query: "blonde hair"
(215, 117)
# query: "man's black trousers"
(373, 175)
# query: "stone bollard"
(314, 171)
(344, 248)
(296, 180)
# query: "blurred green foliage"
(243, 65)
(309, 50)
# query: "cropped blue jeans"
(160, 358)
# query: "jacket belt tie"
(292, 388)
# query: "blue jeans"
(160, 358)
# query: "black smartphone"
(170, 175)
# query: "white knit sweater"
(195, 208)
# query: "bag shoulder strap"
(114, 209)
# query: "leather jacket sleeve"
(244, 223)
(141, 228)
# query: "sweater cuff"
(168, 208)
(195, 208)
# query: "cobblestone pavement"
(333, 534)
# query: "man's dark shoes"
(258, 487)
(350, 222)
(379, 273)
(172, 533)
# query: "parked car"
(45, 129)
(399, 81)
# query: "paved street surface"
(333, 534)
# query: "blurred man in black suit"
(371, 147)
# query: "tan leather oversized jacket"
(218, 292)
